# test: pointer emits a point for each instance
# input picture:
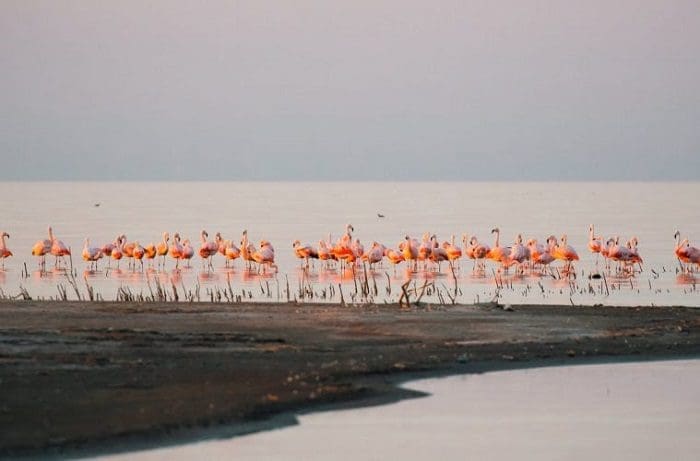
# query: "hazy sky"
(361, 89)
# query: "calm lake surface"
(627, 411)
(284, 212)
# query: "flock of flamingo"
(349, 251)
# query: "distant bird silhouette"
(97, 205)
(379, 215)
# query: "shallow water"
(628, 411)
(283, 212)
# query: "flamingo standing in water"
(187, 251)
(623, 254)
(40, 249)
(395, 257)
(497, 253)
(138, 252)
(151, 252)
(519, 254)
(374, 255)
(117, 251)
(227, 249)
(91, 254)
(208, 249)
(304, 252)
(539, 254)
(565, 252)
(454, 252)
(175, 250)
(685, 253)
(247, 250)
(425, 249)
(162, 248)
(438, 254)
(342, 250)
(409, 250)
(4, 251)
(265, 255)
(128, 250)
(475, 251)
(595, 244)
(325, 252)
(58, 248)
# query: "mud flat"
(85, 378)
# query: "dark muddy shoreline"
(86, 378)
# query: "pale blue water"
(284, 212)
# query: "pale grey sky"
(361, 89)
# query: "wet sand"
(81, 378)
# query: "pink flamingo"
(438, 254)
(265, 255)
(208, 249)
(247, 250)
(454, 252)
(4, 251)
(117, 252)
(176, 250)
(497, 253)
(40, 249)
(187, 251)
(539, 254)
(394, 257)
(58, 248)
(475, 251)
(685, 253)
(409, 250)
(304, 252)
(162, 248)
(565, 252)
(91, 254)
(519, 254)
(374, 255)
(138, 252)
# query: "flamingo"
(304, 252)
(208, 249)
(425, 249)
(175, 250)
(58, 248)
(117, 251)
(138, 252)
(265, 255)
(497, 253)
(247, 250)
(438, 254)
(41, 248)
(187, 251)
(395, 257)
(231, 251)
(4, 251)
(342, 251)
(634, 256)
(325, 252)
(454, 252)
(475, 251)
(409, 250)
(162, 247)
(91, 254)
(128, 250)
(375, 254)
(620, 253)
(519, 254)
(539, 254)
(151, 252)
(565, 252)
(686, 253)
